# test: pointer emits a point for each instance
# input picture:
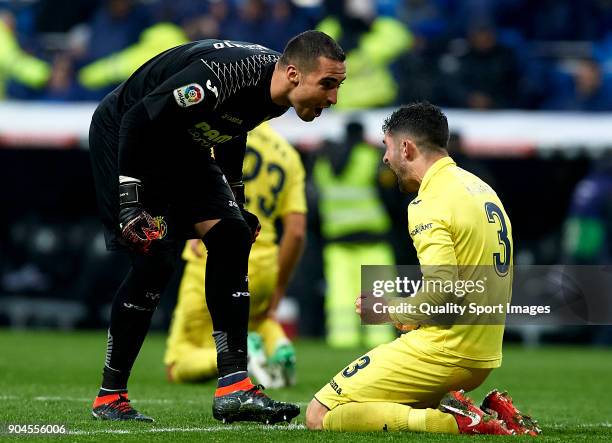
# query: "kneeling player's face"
(395, 159)
(318, 89)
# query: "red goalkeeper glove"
(138, 228)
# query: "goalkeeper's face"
(399, 157)
(315, 89)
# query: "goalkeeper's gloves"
(250, 218)
(138, 228)
(253, 223)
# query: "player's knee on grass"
(193, 365)
(315, 413)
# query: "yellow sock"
(370, 416)
(272, 335)
(195, 366)
(432, 420)
(380, 416)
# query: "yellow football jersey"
(274, 177)
(458, 220)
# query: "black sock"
(103, 391)
(133, 307)
(228, 244)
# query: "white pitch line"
(291, 427)
(206, 429)
(150, 401)
(605, 424)
(223, 428)
(58, 398)
(89, 399)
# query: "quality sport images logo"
(188, 95)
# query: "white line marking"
(291, 427)
(155, 401)
(225, 428)
(57, 398)
(144, 401)
(605, 424)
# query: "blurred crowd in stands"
(479, 54)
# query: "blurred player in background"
(456, 219)
(274, 188)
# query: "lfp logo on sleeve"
(189, 95)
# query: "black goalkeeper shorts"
(179, 191)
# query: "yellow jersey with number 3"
(459, 222)
(274, 178)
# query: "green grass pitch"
(51, 378)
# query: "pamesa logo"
(188, 95)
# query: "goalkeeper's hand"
(250, 218)
(253, 222)
(138, 229)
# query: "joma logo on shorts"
(205, 135)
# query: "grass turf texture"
(51, 378)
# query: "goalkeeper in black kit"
(167, 148)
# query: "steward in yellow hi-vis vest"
(354, 225)
(274, 187)
(455, 220)
(15, 63)
(118, 66)
(369, 59)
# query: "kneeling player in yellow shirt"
(274, 187)
(456, 222)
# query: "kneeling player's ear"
(408, 150)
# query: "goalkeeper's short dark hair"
(304, 50)
(423, 121)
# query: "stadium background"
(527, 87)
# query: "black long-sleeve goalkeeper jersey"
(202, 95)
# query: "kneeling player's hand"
(405, 328)
(197, 247)
(138, 228)
(253, 222)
